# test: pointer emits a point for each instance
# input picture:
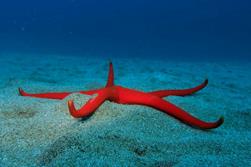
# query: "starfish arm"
(184, 92)
(110, 81)
(91, 105)
(134, 97)
(182, 115)
(49, 95)
(54, 95)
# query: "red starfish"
(121, 95)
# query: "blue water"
(208, 30)
(65, 45)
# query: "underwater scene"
(125, 83)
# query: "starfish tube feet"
(184, 92)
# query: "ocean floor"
(40, 132)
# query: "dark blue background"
(186, 30)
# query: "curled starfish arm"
(184, 92)
(49, 95)
(91, 105)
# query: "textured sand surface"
(40, 132)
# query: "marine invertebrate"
(122, 95)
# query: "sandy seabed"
(41, 132)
